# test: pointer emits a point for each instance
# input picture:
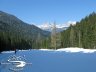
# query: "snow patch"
(7, 52)
(46, 49)
(12, 51)
(72, 50)
(77, 50)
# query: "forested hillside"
(83, 34)
(16, 34)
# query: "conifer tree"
(53, 36)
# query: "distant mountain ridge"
(57, 29)
(47, 27)
(18, 26)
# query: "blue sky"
(40, 11)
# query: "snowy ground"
(72, 50)
(48, 60)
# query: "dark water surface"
(52, 61)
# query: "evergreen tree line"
(9, 41)
(83, 34)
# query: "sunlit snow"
(72, 50)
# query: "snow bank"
(72, 50)
(7, 52)
(46, 49)
(12, 51)
(77, 50)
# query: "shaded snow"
(12, 51)
(49, 60)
